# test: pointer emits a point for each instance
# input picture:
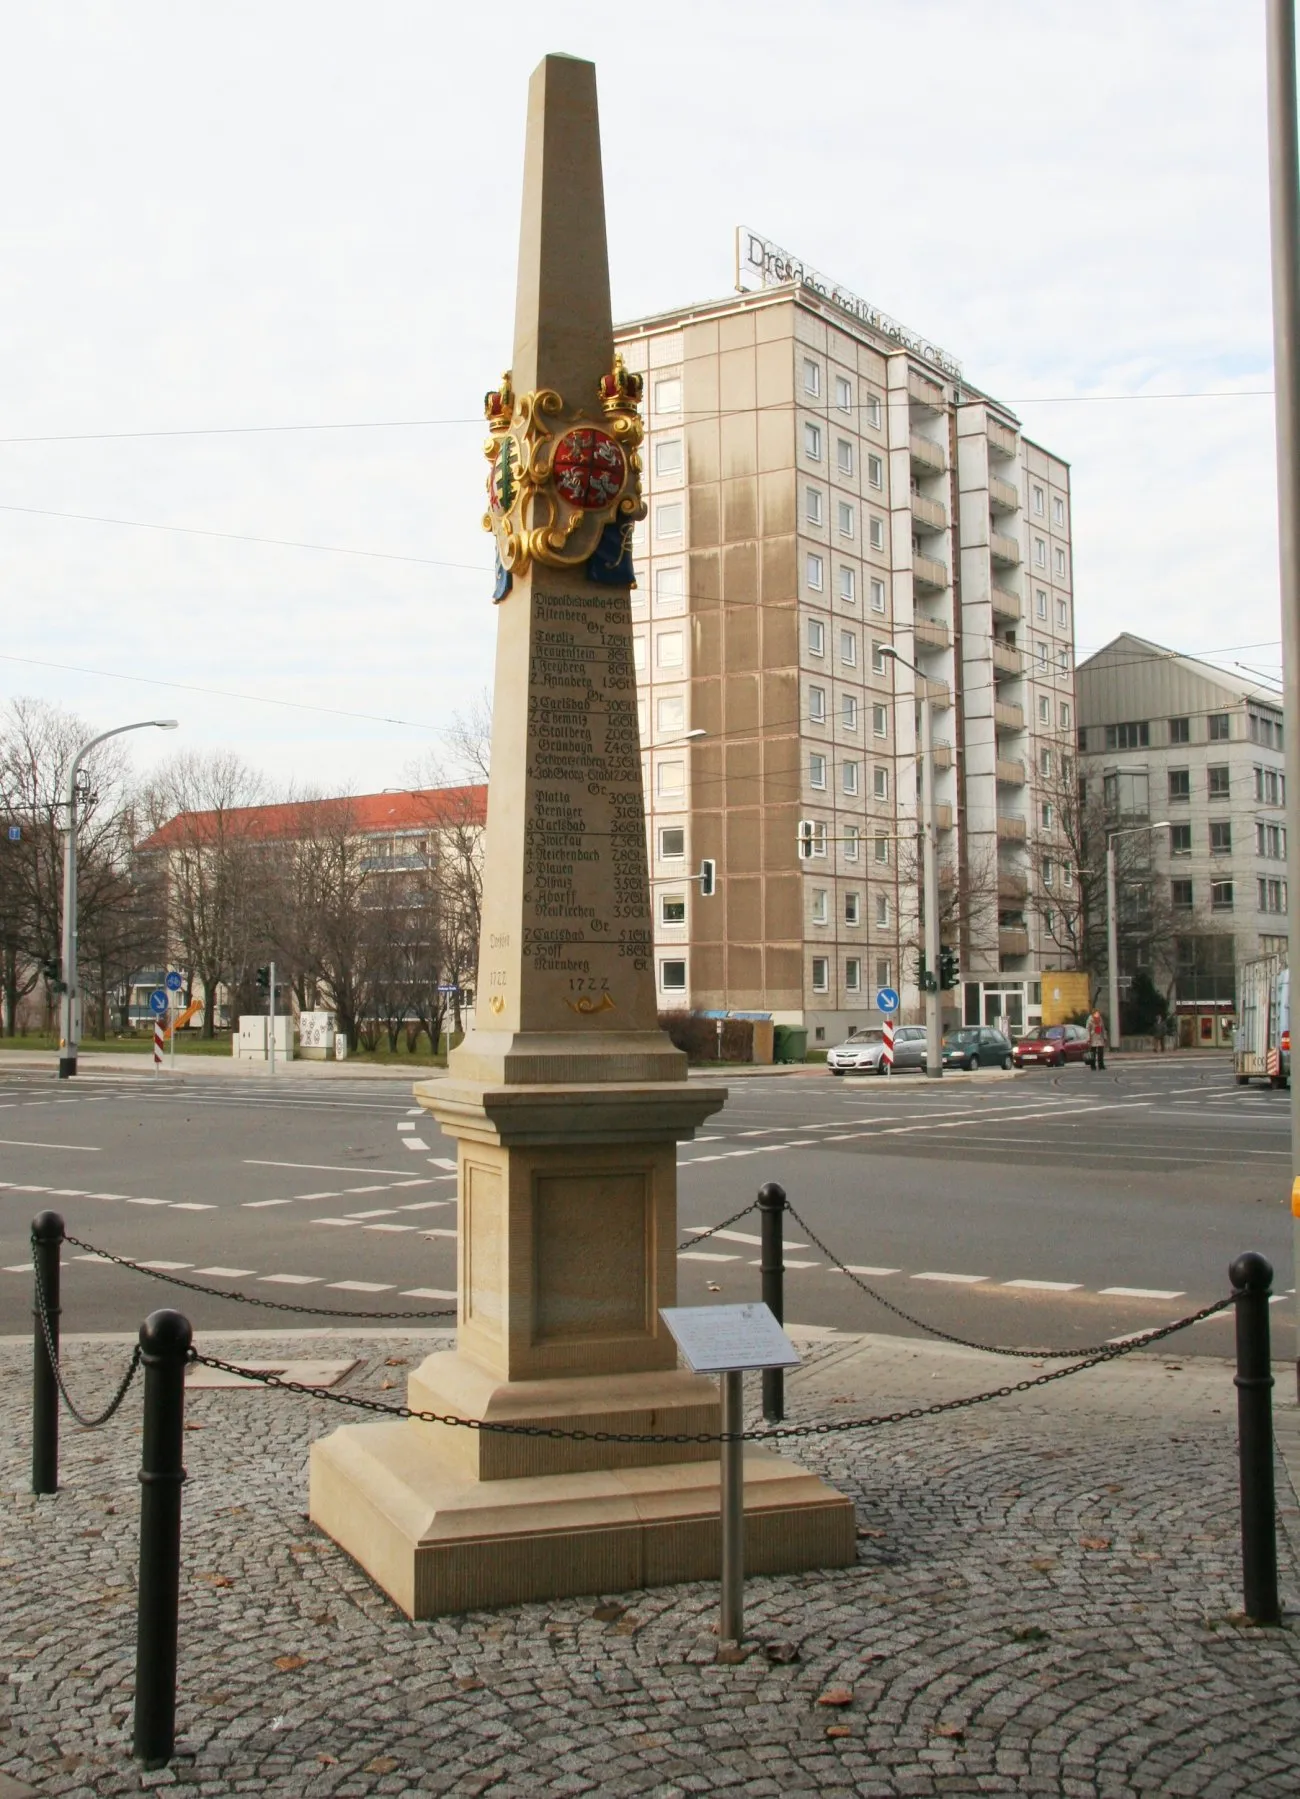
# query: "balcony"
(1009, 773)
(1007, 717)
(929, 574)
(1011, 829)
(943, 757)
(1013, 940)
(938, 693)
(921, 391)
(1012, 886)
(1003, 497)
(928, 458)
(1002, 440)
(1005, 604)
(930, 633)
(1007, 659)
(942, 816)
(929, 515)
(1005, 551)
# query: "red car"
(1054, 1044)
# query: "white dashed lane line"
(175, 1205)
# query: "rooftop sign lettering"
(773, 266)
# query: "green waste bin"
(791, 1043)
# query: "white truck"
(1263, 1038)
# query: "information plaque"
(729, 1339)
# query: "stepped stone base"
(438, 1541)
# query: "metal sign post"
(159, 1001)
(173, 985)
(730, 1341)
(271, 1021)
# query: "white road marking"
(699, 1230)
(291, 1280)
(20, 1268)
(256, 1205)
(173, 1266)
(428, 1293)
(426, 1205)
(80, 1149)
(406, 1127)
(146, 1202)
(758, 1264)
(344, 1223)
(857, 1268)
(443, 1162)
(1140, 1293)
(225, 1273)
(390, 1227)
(190, 1205)
(963, 1280)
(1046, 1286)
(702, 1255)
(322, 1167)
(439, 1233)
(414, 1143)
(362, 1286)
(382, 1212)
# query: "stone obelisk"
(566, 1100)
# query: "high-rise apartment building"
(821, 486)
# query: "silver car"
(864, 1053)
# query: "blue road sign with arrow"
(886, 1000)
(158, 1001)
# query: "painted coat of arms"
(564, 489)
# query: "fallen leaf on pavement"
(381, 1764)
(781, 1652)
(1043, 1564)
(609, 1614)
(838, 1730)
(950, 1730)
(1094, 1542)
(287, 1663)
(836, 1696)
(865, 1532)
(395, 1361)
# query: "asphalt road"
(1047, 1208)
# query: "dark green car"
(976, 1046)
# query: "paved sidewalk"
(1046, 1602)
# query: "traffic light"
(52, 969)
(708, 878)
(924, 979)
(264, 979)
(947, 967)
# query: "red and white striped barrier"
(157, 1043)
(887, 1054)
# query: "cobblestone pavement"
(1045, 1603)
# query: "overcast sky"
(219, 217)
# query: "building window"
(843, 394)
(821, 976)
(848, 585)
(880, 782)
(812, 377)
(1065, 715)
(1135, 736)
(814, 571)
(1045, 814)
(672, 908)
(844, 455)
(1040, 553)
(820, 909)
(672, 780)
(852, 974)
(816, 770)
(1272, 896)
(1180, 840)
(1049, 873)
(1265, 730)
(849, 712)
(817, 705)
(884, 971)
(877, 658)
(1270, 786)
(668, 456)
(1059, 555)
(812, 505)
(1220, 837)
(1040, 603)
(1180, 895)
(877, 596)
(670, 712)
(669, 649)
(1180, 784)
(853, 908)
(882, 909)
(849, 776)
(670, 519)
(1217, 784)
(670, 587)
(849, 649)
(812, 442)
(819, 839)
(1063, 661)
(672, 977)
(1058, 510)
(1180, 730)
(877, 536)
(1039, 502)
(1044, 710)
(851, 836)
(1270, 841)
(882, 849)
(816, 637)
(880, 721)
(1220, 896)
(672, 843)
(1217, 724)
(845, 514)
(1041, 650)
(638, 652)
(668, 394)
(875, 471)
(1045, 763)
(1062, 614)
(873, 411)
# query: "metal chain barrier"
(703, 1236)
(252, 1299)
(1093, 1352)
(1112, 1352)
(124, 1384)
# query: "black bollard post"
(1252, 1281)
(771, 1210)
(164, 1344)
(47, 1243)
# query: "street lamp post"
(69, 997)
(929, 875)
(1112, 921)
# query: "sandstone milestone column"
(567, 1100)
